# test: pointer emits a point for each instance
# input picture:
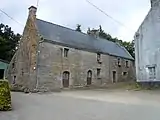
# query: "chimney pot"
(154, 2)
(32, 10)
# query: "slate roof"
(71, 38)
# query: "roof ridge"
(103, 45)
(99, 38)
(124, 49)
(62, 26)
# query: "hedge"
(5, 96)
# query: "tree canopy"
(8, 42)
(78, 28)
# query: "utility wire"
(11, 17)
(14, 19)
(0, 18)
(37, 4)
(109, 15)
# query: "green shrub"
(5, 96)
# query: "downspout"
(109, 68)
(61, 72)
(37, 83)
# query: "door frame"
(89, 77)
(114, 76)
(65, 79)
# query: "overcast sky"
(69, 13)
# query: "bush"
(5, 96)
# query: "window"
(89, 74)
(127, 64)
(152, 72)
(98, 72)
(98, 57)
(14, 80)
(13, 65)
(124, 73)
(22, 72)
(66, 52)
(119, 62)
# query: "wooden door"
(114, 76)
(89, 77)
(66, 79)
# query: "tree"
(8, 42)
(78, 28)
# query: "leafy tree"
(78, 28)
(8, 42)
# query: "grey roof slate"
(62, 35)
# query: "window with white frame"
(152, 72)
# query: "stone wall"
(22, 68)
(147, 46)
(52, 64)
(121, 68)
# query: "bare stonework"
(51, 57)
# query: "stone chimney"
(32, 11)
(93, 32)
(154, 3)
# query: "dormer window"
(119, 62)
(98, 57)
(127, 64)
(66, 52)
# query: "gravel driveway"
(84, 105)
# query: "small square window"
(127, 64)
(124, 73)
(66, 52)
(13, 65)
(119, 62)
(152, 72)
(98, 57)
(98, 72)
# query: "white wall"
(148, 45)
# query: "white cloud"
(72, 12)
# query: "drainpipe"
(109, 68)
(38, 46)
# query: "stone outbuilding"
(51, 57)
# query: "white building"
(147, 46)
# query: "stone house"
(147, 46)
(51, 56)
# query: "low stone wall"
(5, 96)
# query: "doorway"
(66, 79)
(114, 76)
(1, 73)
(89, 77)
